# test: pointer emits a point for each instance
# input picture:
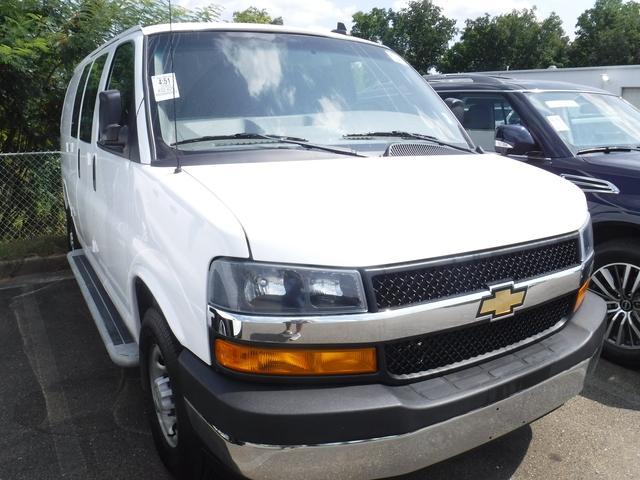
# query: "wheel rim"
(162, 394)
(619, 285)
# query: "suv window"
(89, 103)
(483, 114)
(78, 101)
(122, 78)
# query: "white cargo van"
(318, 275)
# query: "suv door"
(114, 163)
(85, 153)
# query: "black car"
(591, 138)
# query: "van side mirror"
(109, 114)
(514, 140)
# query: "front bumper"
(376, 431)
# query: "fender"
(156, 274)
(151, 278)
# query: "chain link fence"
(31, 203)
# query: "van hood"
(352, 211)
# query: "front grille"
(419, 149)
(425, 283)
(441, 350)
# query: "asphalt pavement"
(69, 413)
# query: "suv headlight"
(586, 240)
(272, 289)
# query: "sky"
(323, 14)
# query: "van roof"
(222, 26)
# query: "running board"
(117, 338)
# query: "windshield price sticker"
(562, 104)
(557, 123)
(165, 86)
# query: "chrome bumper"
(394, 455)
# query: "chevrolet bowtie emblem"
(502, 301)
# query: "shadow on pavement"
(67, 411)
(614, 386)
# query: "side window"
(89, 102)
(78, 101)
(483, 114)
(122, 78)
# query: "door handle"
(93, 165)
(78, 162)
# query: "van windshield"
(232, 88)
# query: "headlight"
(262, 288)
(586, 240)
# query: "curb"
(33, 265)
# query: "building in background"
(622, 80)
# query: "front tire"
(177, 444)
(616, 279)
(164, 404)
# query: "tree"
(255, 15)
(419, 32)
(41, 42)
(516, 40)
(607, 34)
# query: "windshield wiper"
(408, 135)
(303, 142)
(608, 149)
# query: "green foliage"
(256, 15)
(41, 42)
(31, 201)
(419, 32)
(516, 40)
(607, 34)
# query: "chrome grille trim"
(405, 285)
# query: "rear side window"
(90, 94)
(78, 101)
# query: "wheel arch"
(146, 293)
(605, 231)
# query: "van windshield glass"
(233, 87)
(589, 120)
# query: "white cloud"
(318, 14)
(464, 9)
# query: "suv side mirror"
(109, 114)
(456, 106)
(514, 140)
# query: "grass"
(43, 246)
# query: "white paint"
(165, 228)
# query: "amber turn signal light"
(581, 293)
(283, 361)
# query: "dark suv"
(591, 138)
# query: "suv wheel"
(616, 279)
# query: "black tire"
(188, 458)
(72, 235)
(612, 259)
